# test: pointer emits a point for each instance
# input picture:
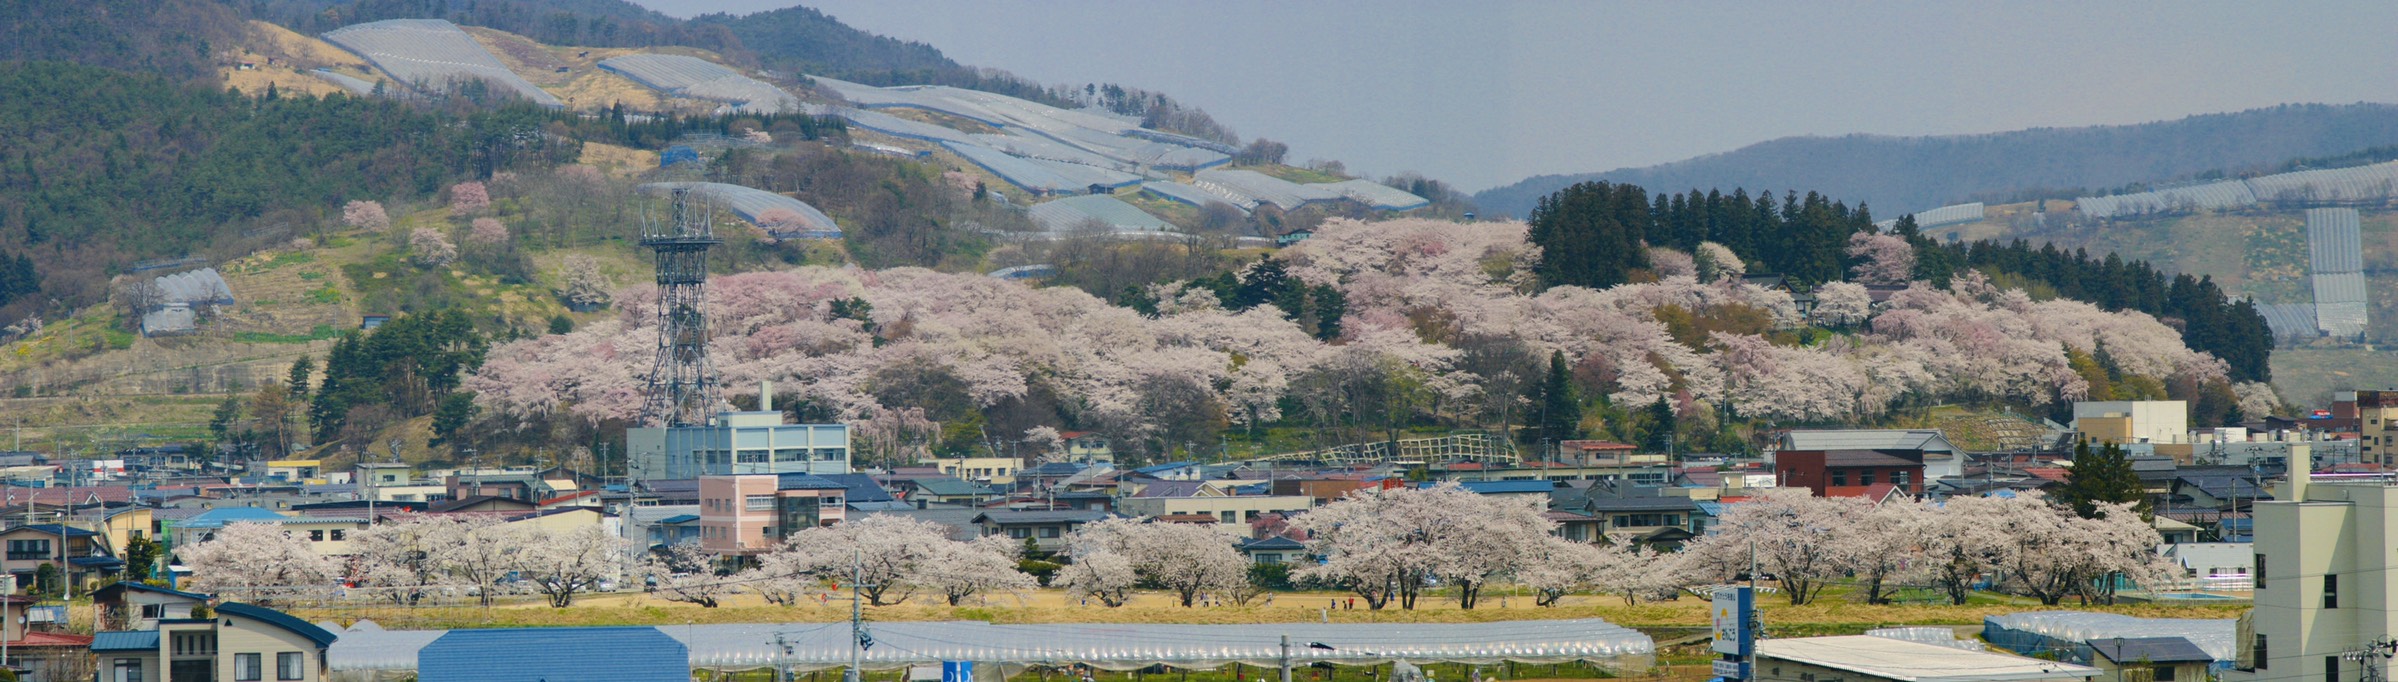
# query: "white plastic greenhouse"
(367, 653)
(2055, 632)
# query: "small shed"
(2158, 659)
(632, 654)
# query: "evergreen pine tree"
(2102, 475)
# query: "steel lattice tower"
(682, 386)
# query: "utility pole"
(1286, 658)
(858, 636)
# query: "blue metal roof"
(223, 516)
(1169, 466)
(678, 518)
(862, 487)
(55, 529)
(805, 482)
(95, 561)
(130, 640)
(278, 619)
(632, 654)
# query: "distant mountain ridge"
(1901, 174)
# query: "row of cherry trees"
(1386, 545)
(410, 562)
(1442, 326)
(2021, 544)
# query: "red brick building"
(1819, 470)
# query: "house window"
(2331, 591)
(791, 455)
(2162, 673)
(287, 666)
(1865, 478)
(758, 503)
(154, 611)
(1839, 478)
(1269, 558)
(2260, 652)
(316, 535)
(28, 549)
(1901, 478)
(245, 667)
(129, 670)
(1019, 533)
(2260, 571)
(1049, 532)
(338, 534)
(2331, 669)
(753, 456)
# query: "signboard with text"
(1732, 619)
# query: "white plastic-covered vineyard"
(431, 53)
(373, 653)
(696, 78)
(757, 206)
(2376, 182)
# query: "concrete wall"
(2133, 421)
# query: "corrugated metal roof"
(1868, 439)
(631, 654)
(132, 640)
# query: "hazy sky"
(1486, 93)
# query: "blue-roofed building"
(1186, 470)
(240, 642)
(618, 654)
(83, 555)
(1274, 550)
(677, 154)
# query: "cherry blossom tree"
(1842, 304)
(469, 197)
(583, 285)
(1385, 544)
(1888, 543)
(1188, 560)
(1792, 534)
(1560, 567)
(1638, 573)
(257, 562)
(887, 554)
(1716, 262)
(562, 565)
(1668, 263)
(961, 570)
(403, 560)
(781, 576)
(2257, 399)
(430, 248)
(365, 215)
(686, 572)
(487, 232)
(481, 554)
(1102, 575)
(1881, 259)
(1962, 544)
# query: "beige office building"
(2324, 553)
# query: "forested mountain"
(172, 38)
(1902, 174)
